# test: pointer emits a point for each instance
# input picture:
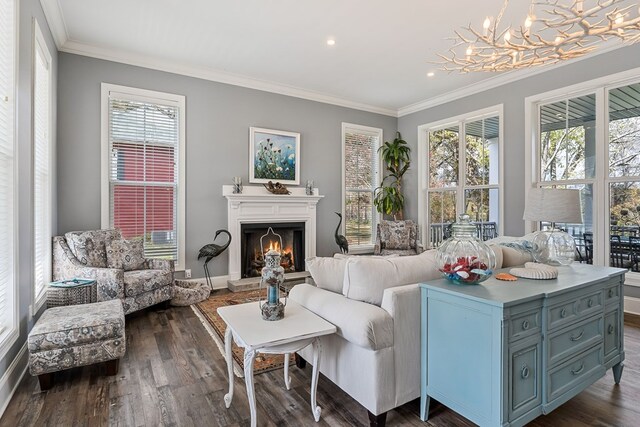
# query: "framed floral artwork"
(274, 155)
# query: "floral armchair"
(396, 237)
(136, 281)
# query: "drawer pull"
(590, 303)
(611, 293)
(525, 325)
(563, 312)
(525, 372)
(610, 329)
(576, 338)
(577, 371)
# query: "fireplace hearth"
(293, 246)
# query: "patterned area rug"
(207, 312)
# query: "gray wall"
(218, 121)
(28, 10)
(512, 96)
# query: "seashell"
(506, 277)
(539, 266)
(463, 274)
(481, 272)
(534, 273)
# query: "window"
(8, 225)
(143, 168)
(42, 165)
(589, 141)
(360, 179)
(460, 173)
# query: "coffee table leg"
(228, 339)
(249, 357)
(317, 352)
(287, 379)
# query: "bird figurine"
(210, 251)
(341, 241)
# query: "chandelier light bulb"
(487, 23)
(580, 6)
(528, 22)
(619, 19)
(507, 36)
(559, 40)
(470, 50)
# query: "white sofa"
(375, 354)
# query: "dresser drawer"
(612, 294)
(574, 339)
(525, 324)
(569, 374)
(524, 378)
(611, 334)
(574, 309)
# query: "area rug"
(208, 314)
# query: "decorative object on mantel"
(210, 251)
(237, 185)
(276, 188)
(389, 199)
(272, 278)
(341, 241)
(463, 258)
(533, 270)
(309, 187)
(558, 30)
(274, 155)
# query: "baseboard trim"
(632, 305)
(12, 377)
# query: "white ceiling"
(379, 62)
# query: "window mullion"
(462, 168)
(601, 190)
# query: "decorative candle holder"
(237, 184)
(272, 278)
(309, 187)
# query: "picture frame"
(274, 155)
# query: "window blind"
(143, 173)
(41, 167)
(7, 167)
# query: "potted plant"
(388, 198)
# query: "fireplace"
(293, 246)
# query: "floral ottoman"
(189, 292)
(76, 335)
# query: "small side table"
(299, 328)
(83, 292)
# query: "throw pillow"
(327, 273)
(126, 254)
(398, 237)
(366, 278)
(89, 246)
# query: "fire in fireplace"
(292, 249)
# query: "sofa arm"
(109, 281)
(160, 264)
(403, 304)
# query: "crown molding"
(494, 82)
(55, 19)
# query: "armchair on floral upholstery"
(117, 265)
(396, 237)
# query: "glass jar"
(463, 258)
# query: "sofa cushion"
(362, 324)
(366, 278)
(126, 254)
(89, 246)
(512, 257)
(73, 325)
(137, 282)
(327, 273)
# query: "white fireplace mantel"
(256, 205)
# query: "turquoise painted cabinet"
(503, 353)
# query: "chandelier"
(552, 31)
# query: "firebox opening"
(292, 246)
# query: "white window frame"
(151, 96)
(377, 132)
(40, 44)
(601, 182)
(423, 165)
(10, 335)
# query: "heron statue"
(210, 251)
(341, 241)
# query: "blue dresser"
(503, 353)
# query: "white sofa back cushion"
(327, 273)
(366, 279)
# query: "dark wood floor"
(173, 375)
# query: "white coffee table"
(299, 328)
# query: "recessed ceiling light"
(331, 42)
(431, 74)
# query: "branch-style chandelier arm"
(566, 31)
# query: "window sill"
(361, 250)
